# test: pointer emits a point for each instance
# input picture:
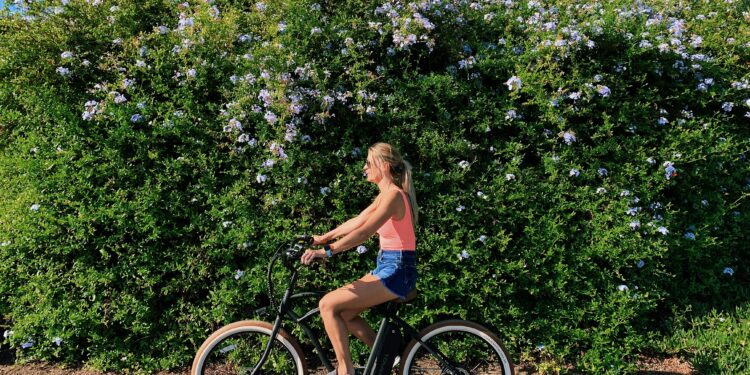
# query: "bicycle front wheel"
(237, 348)
(467, 346)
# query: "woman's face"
(372, 169)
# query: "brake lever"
(305, 239)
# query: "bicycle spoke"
(239, 353)
(466, 352)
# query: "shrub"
(715, 343)
(581, 167)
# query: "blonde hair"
(400, 171)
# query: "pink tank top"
(398, 234)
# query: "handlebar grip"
(304, 238)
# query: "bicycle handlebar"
(290, 258)
(296, 250)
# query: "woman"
(393, 215)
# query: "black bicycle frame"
(387, 311)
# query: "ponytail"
(407, 184)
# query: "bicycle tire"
(214, 355)
(448, 336)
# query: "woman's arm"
(349, 225)
(388, 207)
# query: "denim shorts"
(397, 270)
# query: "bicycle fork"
(276, 326)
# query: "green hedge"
(581, 168)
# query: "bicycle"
(259, 347)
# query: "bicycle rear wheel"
(236, 349)
(468, 346)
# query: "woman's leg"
(359, 295)
(358, 327)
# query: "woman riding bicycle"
(393, 215)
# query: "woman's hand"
(311, 255)
(319, 240)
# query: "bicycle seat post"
(379, 341)
(388, 341)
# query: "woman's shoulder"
(394, 198)
(389, 196)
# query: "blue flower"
(34, 207)
(238, 274)
(268, 163)
(569, 137)
(640, 263)
(602, 172)
(464, 255)
(669, 170)
(690, 235)
(325, 190)
(727, 106)
(514, 83)
(127, 82)
(136, 118)
(119, 98)
(662, 230)
(574, 172)
(728, 271)
(29, 343)
(270, 117)
(361, 249)
(603, 91)
(622, 288)
(511, 115)
(635, 225)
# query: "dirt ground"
(648, 366)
